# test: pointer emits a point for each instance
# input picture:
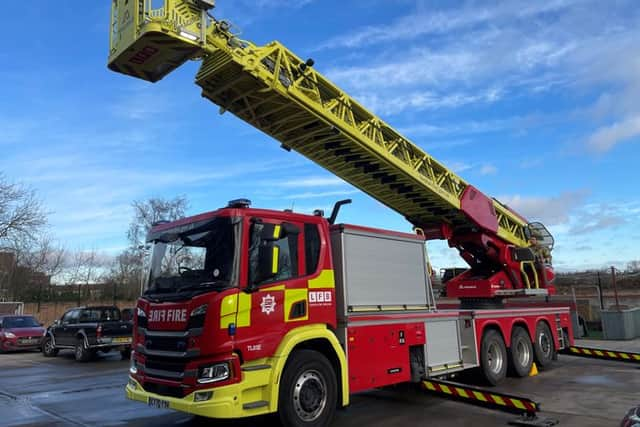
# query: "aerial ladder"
(274, 90)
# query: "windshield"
(19, 322)
(194, 258)
(99, 314)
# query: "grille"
(163, 365)
(166, 344)
(164, 390)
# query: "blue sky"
(536, 103)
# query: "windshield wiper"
(202, 285)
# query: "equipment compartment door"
(443, 346)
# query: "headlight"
(214, 373)
(9, 335)
(133, 365)
(140, 312)
(200, 310)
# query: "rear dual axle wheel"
(495, 358)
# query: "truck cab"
(224, 290)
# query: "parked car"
(87, 330)
(20, 333)
(632, 419)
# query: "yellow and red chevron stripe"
(600, 353)
(482, 397)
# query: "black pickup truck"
(87, 330)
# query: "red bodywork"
(377, 344)
(244, 343)
(27, 338)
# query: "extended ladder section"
(277, 92)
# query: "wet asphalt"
(39, 391)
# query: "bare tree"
(129, 264)
(84, 268)
(633, 266)
(21, 213)
(151, 211)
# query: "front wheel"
(126, 353)
(48, 348)
(308, 392)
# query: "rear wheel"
(48, 348)
(308, 392)
(81, 351)
(543, 345)
(493, 357)
(521, 352)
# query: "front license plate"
(158, 403)
(29, 342)
(123, 340)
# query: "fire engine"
(251, 311)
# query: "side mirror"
(268, 261)
(56, 322)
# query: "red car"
(20, 333)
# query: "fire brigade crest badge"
(268, 304)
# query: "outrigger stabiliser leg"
(600, 353)
(527, 409)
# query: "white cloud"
(436, 58)
(606, 137)
(427, 22)
(488, 169)
(553, 210)
(314, 181)
(313, 195)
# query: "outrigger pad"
(533, 420)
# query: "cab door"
(278, 293)
(61, 331)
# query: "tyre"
(543, 346)
(125, 354)
(520, 352)
(82, 353)
(493, 357)
(48, 348)
(308, 391)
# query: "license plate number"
(158, 403)
(31, 341)
(123, 340)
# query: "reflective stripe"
(461, 392)
(274, 262)
(236, 309)
(292, 296)
(479, 396)
(324, 280)
(518, 404)
(498, 399)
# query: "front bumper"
(14, 345)
(247, 398)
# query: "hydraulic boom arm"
(277, 92)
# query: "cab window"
(282, 247)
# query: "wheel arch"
(494, 325)
(554, 333)
(81, 334)
(521, 323)
(320, 339)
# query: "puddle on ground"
(595, 380)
